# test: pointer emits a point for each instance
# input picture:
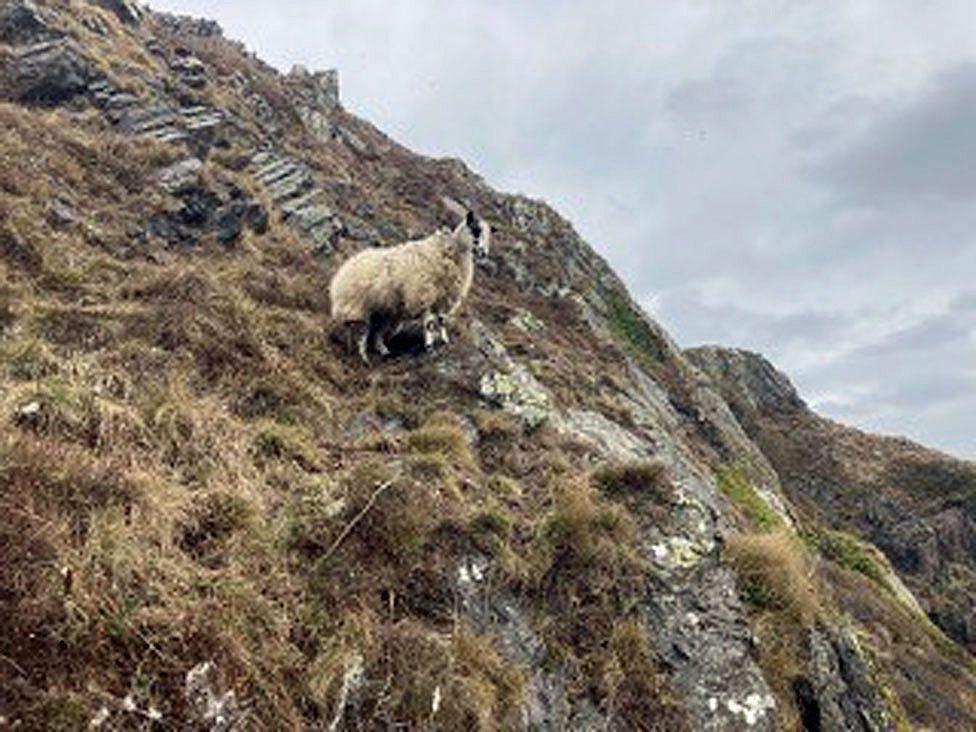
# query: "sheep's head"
(474, 235)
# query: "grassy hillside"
(215, 517)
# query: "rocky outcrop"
(127, 11)
(910, 502)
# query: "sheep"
(426, 280)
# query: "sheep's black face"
(480, 235)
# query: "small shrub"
(773, 574)
(212, 521)
(588, 541)
(491, 530)
(637, 683)
(495, 426)
(475, 687)
(28, 361)
(449, 441)
(275, 441)
(311, 517)
(503, 486)
(645, 478)
(734, 484)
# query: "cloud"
(922, 150)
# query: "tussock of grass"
(775, 582)
(636, 682)
(275, 441)
(474, 687)
(645, 478)
(491, 530)
(495, 426)
(774, 574)
(444, 439)
(504, 486)
(734, 484)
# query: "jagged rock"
(47, 73)
(191, 70)
(60, 214)
(758, 382)
(185, 24)
(181, 177)
(318, 98)
(21, 21)
(231, 219)
(518, 392)
(527, 322)
(546, 703)
(127, 11)
(607, 436)
(839, 692)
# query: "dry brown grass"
(474, 688)
(774, 574)
(776, 582)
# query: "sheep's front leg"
(431, 325)
(363, 343)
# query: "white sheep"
(379, 290)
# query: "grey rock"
(758, 381)
(125, 10)
(546, 702)
(838, 693)
(318, 93)
(181, 177)
(47, 73)
(21, 21)
(518, 392)
(60, 214)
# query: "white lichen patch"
(471, 571)
(752, 708)
(681, 552)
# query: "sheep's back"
(427, 275)
(360, 286)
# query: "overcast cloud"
(791, 177)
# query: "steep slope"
(215, 517)
(916, 505)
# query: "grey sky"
(791, 177)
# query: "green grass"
(629, 326)
(734, 484)
(851, 553)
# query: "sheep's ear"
(454, 207)
(474, 225)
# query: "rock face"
(216, 518)
(908, 501)
(127, 11)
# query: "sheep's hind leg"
(380, 328)
(442, 323)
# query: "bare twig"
(358, 517)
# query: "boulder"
(125, 10)
(22, 22)
(48, 73)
